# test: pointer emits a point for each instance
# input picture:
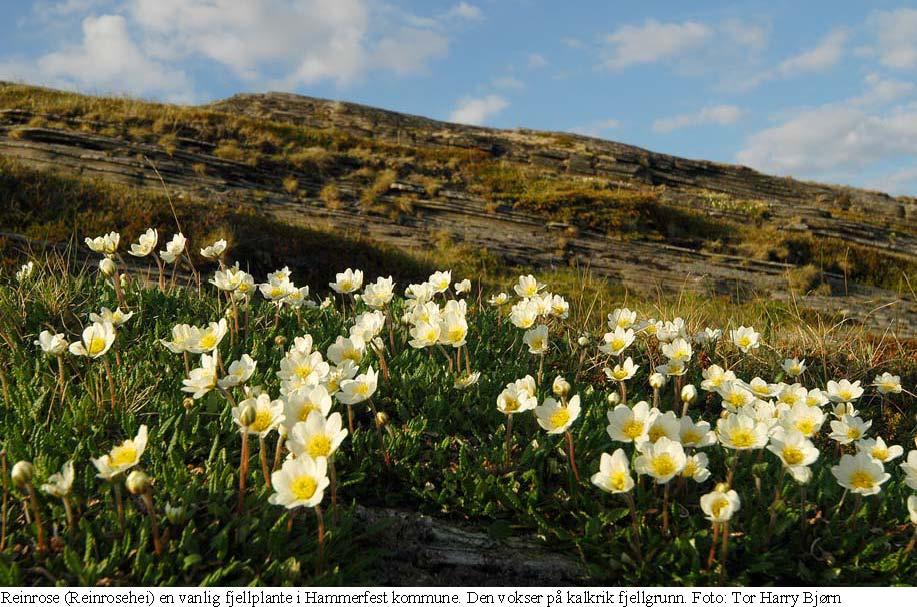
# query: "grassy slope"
(447, 446)
(627, 210)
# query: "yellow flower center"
(793, 456)
(845, 395)
(458, 334)
(663, 465)
(319, 445)
(862, 480)
(346, 285)
(617, 480)
(208, 341)
(853, 433)
(806, 426)
(690, 437)
(303, 487)
(632, 429)
(718, 506)
(879, 453)
(123, 455)
(510, 403)
(96, 345)
(744, 341)
(619, 374)
(362, 389)
(617, 343)
(560, 417)
(263, 421)
(743, 438)
(690, 469)
(306, 410)
(655, 433)
(303, 371)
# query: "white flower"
(910, 469)
(669, 330)
(203, 379)
(623, 371)
(888, 383)
(761, 389)
(377, 295)
(664, 425)
(816, 398)
(145, 243)
(794, 367)
(860, 473)
(527, 287)
(877, 448)
(559, 307)
(678, 350)
(697, 435)
(631, 425)
(232, 279)
(672, 368)
(516, 398)
(708, 336)
(554, 417)
(453, 329)
(123, 457)
(805, 419)
(425, 334)
(117, 318)
(792, 395)
(97, 340)
(537, 339)
(25, 271)
(463, 286)
(615, 342)
(347, 348)
(524, 314)
(849, 429)
(52, 344)
(719, 506)
(439, 281)
(696, 468)
(269, 414)
(795, 451)
(299, 370)
(299, 404)
(912, 508)
(467, 380)
(182, 337)
(276, 289)
(348, 281)
(317, 436)
(741, 432)
(174, 248)
(60, 483)
(359, 389)
(300, 481)
(621, 318)
(843, 391)
(745, 338)
(498, 300)
(240, 371)
(714, 376)
(107, 244)
(215, 250)
(657, 380)
(560, 387)
(735, 395)
(207, 339)
(614, 473)
(662, 460)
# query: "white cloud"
(715, 114)
(477, 110)
(831, 138)
(751, 35)
(902, 182)
(464, 10)
(536, 61)
(597, 128)
(106, 60)
(823, 56)
(896, 37)
(654, 41)
(882, 90)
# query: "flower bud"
(22, 474)
(107, 266)
(722, 487)
(280, 341)
(657, 380)
(561, 387)
(176, 514)
(583, 340)
(688, 394)
(381, 419)
(613, 399)
(187, 403)
(248, 415)
(138, 482)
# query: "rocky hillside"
(527, 197)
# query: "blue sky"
(816, 90)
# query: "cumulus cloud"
(714, 114)
(465, 10)
(106, 60)
(896, 37)
(536, 61)
(653, 41)
(478, 110)
(832, 138)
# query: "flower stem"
(243, 469)
(111, 381)
(724, 548)
(385, 455)
(262, 455)
(33, 498)
(570, 452)
(509, 441)
(119, 503)
(319, 566)
(154, 524)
